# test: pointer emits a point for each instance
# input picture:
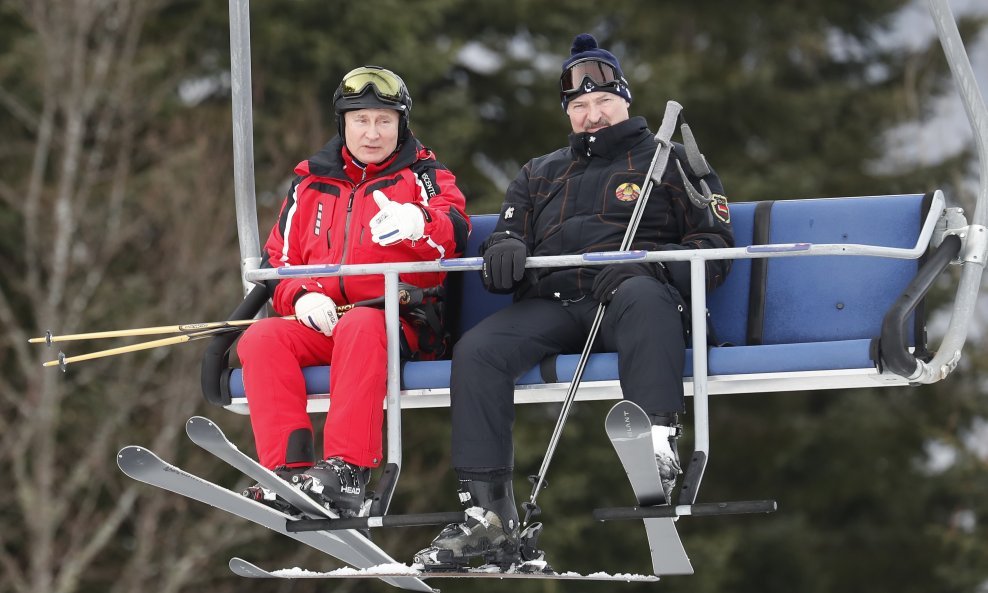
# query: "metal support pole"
(701, 408)
(393, 327)
(698, 304)
(243, 140)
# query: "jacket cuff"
(500, 237)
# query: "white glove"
(316, 311)
(395, 222)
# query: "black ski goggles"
(386, 84)
(600, 73)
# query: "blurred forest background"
(116, 211)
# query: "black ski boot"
(490, 532)
(339, 486)
(268, 497)
(300, 454)
(665, 432)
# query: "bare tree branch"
(32, 197)
(106, 529)
(12, 573)
(15, 335)
(18, 110)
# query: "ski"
(246, 569)
(630, 431)
(208, 435)
(143, 465)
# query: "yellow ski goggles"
(385, 84)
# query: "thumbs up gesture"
(395, 222)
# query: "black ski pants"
(643, 324)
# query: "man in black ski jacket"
(575, 200)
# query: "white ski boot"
(667, 455)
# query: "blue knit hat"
(585, 49)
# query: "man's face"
(592, 111)
(371, 135)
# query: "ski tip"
(133, 456)
(200, 425)
(129, 451)
(625, 406)
(243, 568)
(626, 416)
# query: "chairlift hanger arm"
(973, 254)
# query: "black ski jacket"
(580, 199)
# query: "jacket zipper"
(346, 239)
(346, 230)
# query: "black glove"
(607, 281)
(504, 264)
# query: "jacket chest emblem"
(628, 192)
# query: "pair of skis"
(347, 545)
(627, 425)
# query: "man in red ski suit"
(372, 194)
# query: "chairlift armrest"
(893, 346)
(216, 360)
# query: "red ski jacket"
(325, 219)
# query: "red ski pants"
(273, 352)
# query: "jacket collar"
(334, 161)
(612, 141)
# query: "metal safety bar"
(609, 257)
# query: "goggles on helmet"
(385, 84)
(599, 72)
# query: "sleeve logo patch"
(720, 209)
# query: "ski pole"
(408, 296)
(63, 360)
(50, 339)
(664, 139)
